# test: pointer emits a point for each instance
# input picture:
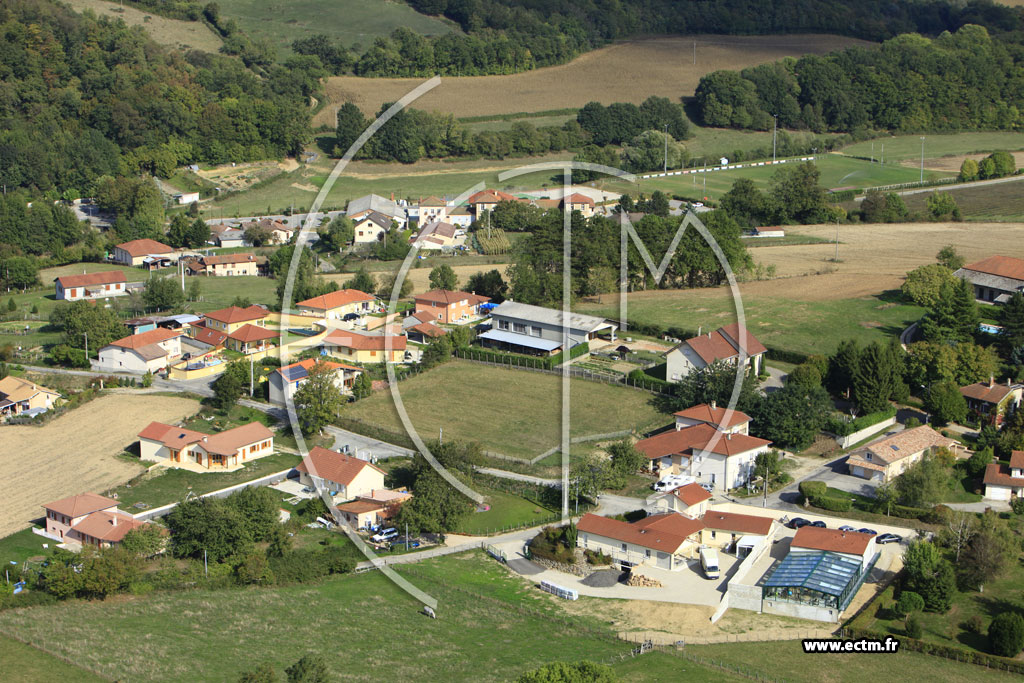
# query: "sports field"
(908, 147)
(353, 22)
(630, 71)
(514, 412)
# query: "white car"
(384, 535)
(672, 482)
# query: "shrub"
(833, 503)
(913, 626)
(974, 624)
(597, 558)
(908, 603)
(911, 423)
(1006, 634)
(1017, 505)
(812, 489)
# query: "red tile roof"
(227, 442)
(221, 259)
(691, 494)
(447, 296)
(234, 314)
(1003, 266)
(363, 342)
(739, 523)
(490, 197)
(250, 333)
(107, 526)
(987, 392)
(831, 540)
(1001, 475)
(87, 279)
(82, 504)
(333, 466)
(429, 330)
(1017, 460)
(666, 532)
(136, 248)
(688, 440)
(136, 341)
(332, 300)
(170, 436)
(752, 345)
(433, 201)
(209, 335)
(711, 347)
(713, 416)
(578, 198)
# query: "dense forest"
(84, 97)
(961, 80)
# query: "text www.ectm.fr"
(890, 644)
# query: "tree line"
(966, 79)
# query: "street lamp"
(922, 158)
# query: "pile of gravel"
(606, 578)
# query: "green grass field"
(793, 325)
(506, 511)
(25, 664)
(786, 660)
(999, 202)
(22, 545)
(906, 147)
(513, 412)
(718, 142)
(836, 171)
(174, 484)
(373, 626)
(350, 21)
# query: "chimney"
(991, 381)
(714, 404)
(113, 520)
(392, 196)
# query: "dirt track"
(76, 452)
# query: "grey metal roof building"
(821, 579)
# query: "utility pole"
(250, 375)
(872, 151)
(922, 159)
(775, 128)
(86, 334)
(695, 53)
(666, 148)
(836, 257)
(882, 161)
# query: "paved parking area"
(293, 488)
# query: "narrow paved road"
(519, 477)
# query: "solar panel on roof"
(295, 373)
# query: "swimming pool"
(990, 329)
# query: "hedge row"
(546, 363)
(947, 651)
(842, 428)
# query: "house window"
(519, 327)
(623, 547)
(712, 534)
(373, 354)
(534, 331)
(648, 553)
(502, 324)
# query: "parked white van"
(672, 482)
(709, 562)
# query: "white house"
(1005, 483)
(664, 541)
(723, 344)
(371, 228)
(90, 286)
(140, 353)
(342, 475)
(362, 206)
(691, 500)
(285, 381)
(135, 252)
(186, 197)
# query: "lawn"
(490, 627)
(836, 171)
(507, 511)
(25, 664)
(22, 545)
(352, 22)
(1000, 595)
(219, 292)
(786, 660)
(778, 322)
(514, 412)
(168, 485)
(908, 147)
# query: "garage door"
(997, 492)
(664, 561)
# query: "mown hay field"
(630, 71)
(184, 35)
(939, 150)
(76, 452)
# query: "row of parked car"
(798, 522)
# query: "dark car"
(820, 524)
(847, 527)
(798, 522)
(351, 316)
(869, 532)
(888, 538)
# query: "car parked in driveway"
(797, 522)
(869, 532)
(385, 535)
(888, 538)
(820, 524)
(672, 482)
(847, 527)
